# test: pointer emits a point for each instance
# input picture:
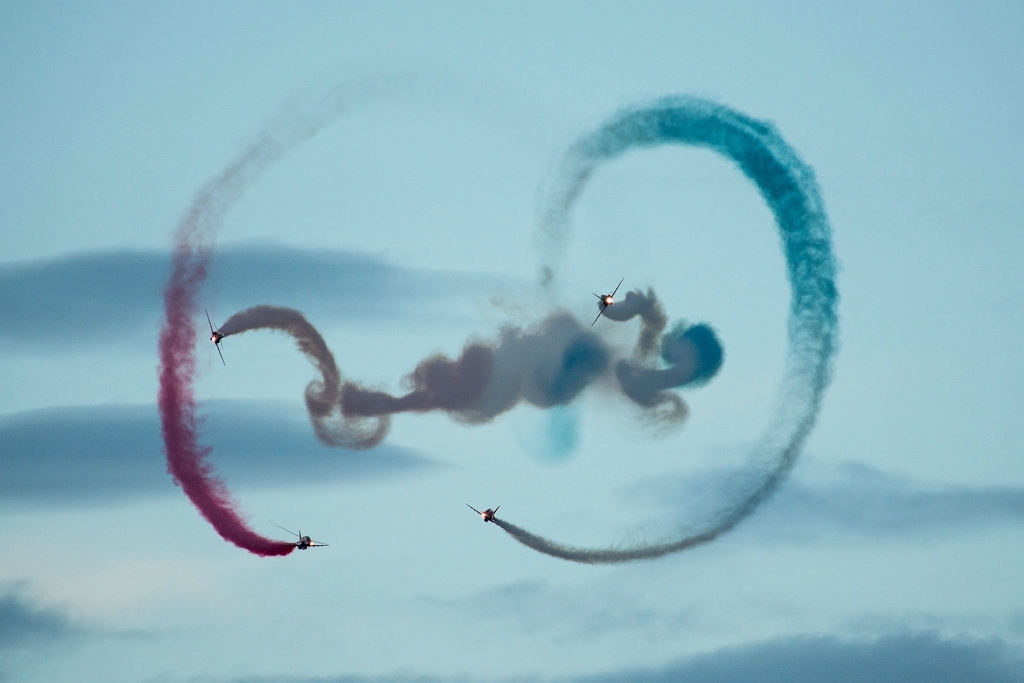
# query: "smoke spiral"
(789, 188)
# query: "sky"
(408, 226)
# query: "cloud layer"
(108, 454)
(924, 658)
(24, 623)
(901, 658)
(97, 297)
(865, 501)
(850, 499)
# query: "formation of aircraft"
(605, 300)
(304, 541)
(215, 337)
(487, 515)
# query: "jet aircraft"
(604, 301)
(215, 337)
(304, 541)
(487, 515)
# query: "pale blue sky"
(898, 537)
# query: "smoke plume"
(546, 365)
(190, 259)
(791, 192)
(322, 395)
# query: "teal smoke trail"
(791, 192)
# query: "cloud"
(854, 499)
(105, 454)
(902, 658)
(24, 623)
(89, 298)
(867, 501)
(567, 615)
(30, 630)
(899, 658)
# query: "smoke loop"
(789, 188)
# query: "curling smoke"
(193, 245)
(791, 192)
(322, 395)
(652, 317)
(547, 365)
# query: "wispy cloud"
(30, 629)
(870, 502)
(24, 622)
(902, 658)
(850, 499)
(88, 455)
(924, 658)
(96, 297)
(565, 615)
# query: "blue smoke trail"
(791, 192)
(709, 350)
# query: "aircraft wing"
(210, 322)
(617, 287)
(279, 526)
(599, 314)
(473, 509)
(220, 354)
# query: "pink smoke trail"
(193, 246)
(186, 458)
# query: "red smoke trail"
(193, 244)
(186, 459)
